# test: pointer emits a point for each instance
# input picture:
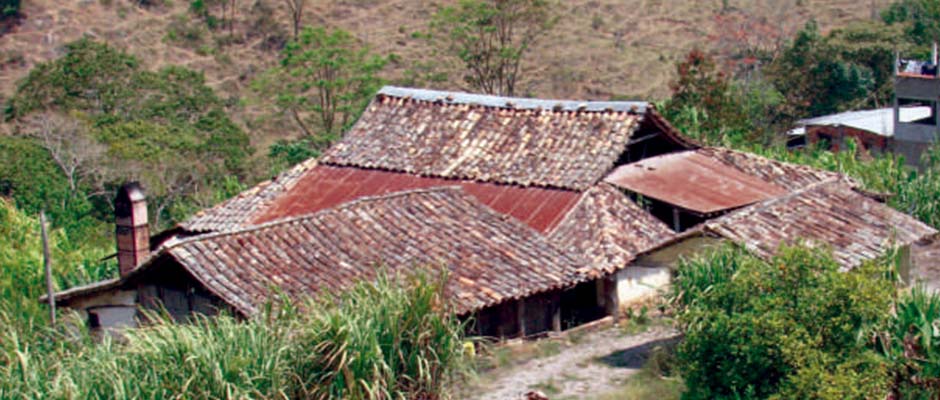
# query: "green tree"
(816, 79)
(704, 94)
(325, 80)
(920, 19)
(491, 38)
(790, 327)
(90, 76)
(165, 127)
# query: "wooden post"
(47, 265)
(556, 312)
(675, 220)
(520, 313)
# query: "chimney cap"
(131, 191)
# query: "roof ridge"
(507, 102)
(283, 221)
(763, 205)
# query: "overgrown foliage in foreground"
(797, 327)
(392, 339)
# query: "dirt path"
(596, 364)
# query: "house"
(546, 213)
(916, 84)
(872, 130)
(542, 162)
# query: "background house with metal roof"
(872, 130)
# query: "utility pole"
(47, 264)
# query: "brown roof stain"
(609, 229)
(831, 213)
(527, 147)
(490, 257)
(693, 181)
(326, 186)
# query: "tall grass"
(391, 339)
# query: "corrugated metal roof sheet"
(327, 186)
(693, 181)
(406, 131)
(491, 258)
(609, 229)
(879, 121)
(857, 228)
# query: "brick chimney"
(131, 227)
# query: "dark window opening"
(796, 142)
(648, 141)
(580, 305)
(93, 321)
(676, 218)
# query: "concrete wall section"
(638, 284)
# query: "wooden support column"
(613, 298)
(675, 220)
(520, 312)
(556, 312)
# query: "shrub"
(790, 327)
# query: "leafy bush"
(285, 153)
(9, 8)
(790, 327)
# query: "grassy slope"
(600, 49)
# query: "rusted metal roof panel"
(490, 258)
(327, 186)
(488, 138)
(609, 229)
(693, 181)
(854, 226)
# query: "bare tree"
(296, 8)
(71, 147)
(491, 38)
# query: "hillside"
(599, 49)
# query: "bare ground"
(598, 363)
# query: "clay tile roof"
(786, 175)
(239, 211)
(560, 144)
(491, 258)
(856, 227)
(609, 229)
(693, 181)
